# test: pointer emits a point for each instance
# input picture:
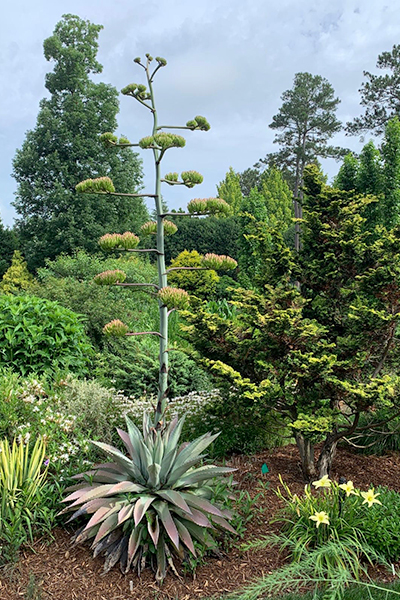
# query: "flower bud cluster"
(111, 241)
(110, 277)
(108, 138)
(162, 141)
(101, 184)
(150, 227)
(219, 262)
(174, 297)
(209, 206)
(171, 177)
(198, 122)
(191, 178)
(136, 91)
(115, 328)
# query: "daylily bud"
(174, 297)
(116, 328)
(110, 277)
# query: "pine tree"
(64, 148)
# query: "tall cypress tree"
(64, 148)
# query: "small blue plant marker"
(264, 469)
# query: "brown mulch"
(65, 573)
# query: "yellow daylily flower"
(320, 517)
(348, 488)
(370, 497)
(324, 482)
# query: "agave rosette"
(153, 503)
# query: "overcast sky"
(229, 60)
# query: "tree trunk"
(327, 455)
(306, 450)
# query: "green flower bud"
(161, 61)
(108, 138)
(171, 177)
(169, 140)
(110, 277)
(217, 206)
(128, 90)
(141, 88)
(174, 297)
(109, 241)
(149, 228)
(191, 124)
(123, 140)
(137, 60)
(169, 227)
(129, 240)
(101, 184)
(191, 178)
(197, 205)
(149, 57)
(147, 142)
(202, 123)
(115, 328)
(219, 262)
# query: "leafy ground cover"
(57, 571)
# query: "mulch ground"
(62, 572)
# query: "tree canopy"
(64, 148)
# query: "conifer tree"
(17, 278)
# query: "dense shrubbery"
(37, 335)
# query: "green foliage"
(199, 283)
(379, 433)
(38, 335)
(158, 480)
(22, 479)
(381, 525)
(17, 278)
(278, 199)
(8, 244)
(379, 95)
(64, 148)
(229, 190)
(322, 353)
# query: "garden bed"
(61, 572)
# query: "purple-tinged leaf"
(126, 486)
(161, 561)
(98, 492)
(107, 526)
(185, 536)
(127, 441)
(106, 542)
(125, 513)
(224, 524)
(199, 518)
(168, 522)
(113, 555)
(142, 504)
(175, 498)
(133, 545)
(79, 493)
(202, 504)
(100, 515)
(154, 529)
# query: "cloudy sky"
(229, 60)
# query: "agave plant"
(152, 504)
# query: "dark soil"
(62, 572)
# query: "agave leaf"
(158, 451)
(99, 516)
(110, 466)
(153, 480)
(107, 526)
(175, 498)
(141, 506)
(202, 474)
(224, 524)
(86, 535)
(122, 461)
(153, 528)
(106, 542)
(89, 507)
(161, 561)
(196, 517)
(79, 492)
(168, 522)
(199, 533)
(167, 463)
(185, 536)
(98, 492)
(133, 545)
(126, 486)
(195, 448)
(174, 433)
(102, 476)
(176, 473)
(147, 425)
(125, 513)
(127, 442)
(169, 429)
(201, 504)
(114, 555)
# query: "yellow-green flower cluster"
(211, 206)
(150, 227)
(171, 177)
(115, 328)
(219, 262)
(93, 186)
(110, 277)
(111, 241)
(191, 178)
(108, 138)
(198, 122)
(162, 141)
(174, 297)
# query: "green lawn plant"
(152, 503)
